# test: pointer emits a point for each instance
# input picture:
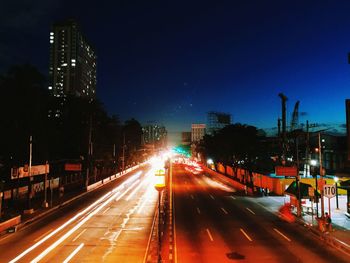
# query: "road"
(111, 224)
(213, 223)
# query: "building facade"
(154, 134)
(217, 120)
(72, 65)
(197, 132)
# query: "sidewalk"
(339, 237)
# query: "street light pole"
(336, 179)
(321, 171)
(30, 173)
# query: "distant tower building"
(154, 134)
(197, 132)
(217, 121)
(72, 62)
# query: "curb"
(329, 239)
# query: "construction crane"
(284, 99)
(295, 117)
(284, 135)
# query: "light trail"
(90, 207)
(138, 187)
(71, 231)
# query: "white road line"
(234, 198)
(198, 211)
(250, 210)
(246, 235)
(73, 253)
(82, 232)
(192, 197)
(43, 235)
(282, 234)
(71, 231)
(210, 237)
(212, 197)
(106, 210)
(223, 209)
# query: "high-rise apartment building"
(217, 121)
(197, 132)
(154, 134)
(72, 62)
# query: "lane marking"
(71, 231)
(106, 210)
(192, 197)
(246, 235)
(212, 197)
(73, 253)
(172, 202)
(282, 234)
(35, 240)
(136, 189)
(82, 232)
(250, 210)
(234, 198)
(210, 236)
(199, 211)
(223, 209)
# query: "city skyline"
(173, 63)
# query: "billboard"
(72, 167)
(21, 172)
(286, 171)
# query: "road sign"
(329, 190)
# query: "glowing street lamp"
(159, 185)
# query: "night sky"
(173, 61)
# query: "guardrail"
(112, 178)
(10, 223)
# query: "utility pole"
(298, 179)
(45, 204)
(30, 172)
(123, 160)
(88, 169)
(284, 99)
(321, 171)
(307, 153)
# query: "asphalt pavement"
(215, 223)
(111, 224)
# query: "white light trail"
(71, 231)
(28, 250)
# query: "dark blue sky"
(173, 61)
